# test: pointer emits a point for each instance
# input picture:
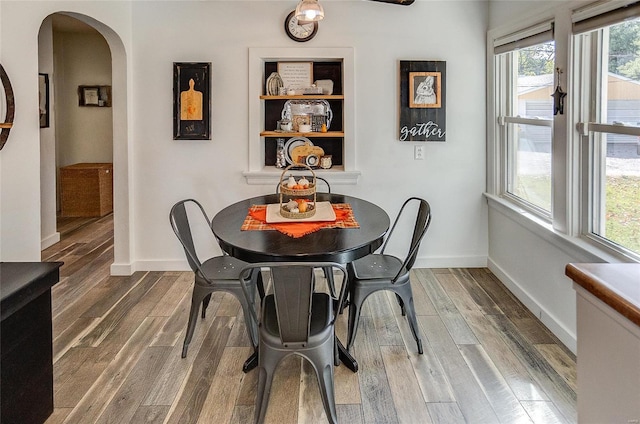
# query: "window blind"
(536, 34)
(601, 14)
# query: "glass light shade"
(309, 11)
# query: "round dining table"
(340, 245)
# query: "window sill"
(581, 249)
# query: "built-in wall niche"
(335, 64)
(94, 95)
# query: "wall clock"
(298, 31)
(7, 94)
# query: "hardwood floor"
(118, 340)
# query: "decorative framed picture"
(422, 101)
(94, 95)
(43, 93)
(191, 101)
(296, 75)
(90, 96)
(425, 89)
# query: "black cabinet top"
(21, 282)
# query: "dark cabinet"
(26, 363)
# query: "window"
(525, 76)
(607, 47)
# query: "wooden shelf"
(299, 134)
(305, 97)
(6, 125)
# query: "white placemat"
(324, 212)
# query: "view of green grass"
(623, 211)
(622, 208)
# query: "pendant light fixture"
(309, 11)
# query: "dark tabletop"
(342, 245)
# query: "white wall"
(451, 178)
(85, 134)
(49, 233)
(527, 255)
(20, 186)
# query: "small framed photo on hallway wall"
(191, 101)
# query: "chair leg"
(259, 282)
(406, 295)
(327, 392)
(328, 274)
(401, 303)
(251, 325)
(198, 296)
(205, 305)
(354, 316)
(265, 378)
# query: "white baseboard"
(122, 269)
(451, 262)
(561, 332)
(49, 241)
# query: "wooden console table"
(608, 334)
(26, 367)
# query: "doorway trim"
(122, 187)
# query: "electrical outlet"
(418, 153)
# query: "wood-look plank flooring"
(118, 340)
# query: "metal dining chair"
(219, 273)
(380, 271)
(297, 319)
(327, 272)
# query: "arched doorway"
(118, 134)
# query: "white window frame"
(588, 50)
(505, 98)
(570, 184)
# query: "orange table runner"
(257, 217)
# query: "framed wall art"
(94, 95)
(296, 74)
(191, 101)
(425, 89)
(43, 93)
(422, 101)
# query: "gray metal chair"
(319, 180)
(296, 319)
(380, 271)
(220, 273)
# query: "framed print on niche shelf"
(296, 75)
(191, 100)
(422, 101)
(43, 93)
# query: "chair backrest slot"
(293, 288)
(422, 222)
(179, 219)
